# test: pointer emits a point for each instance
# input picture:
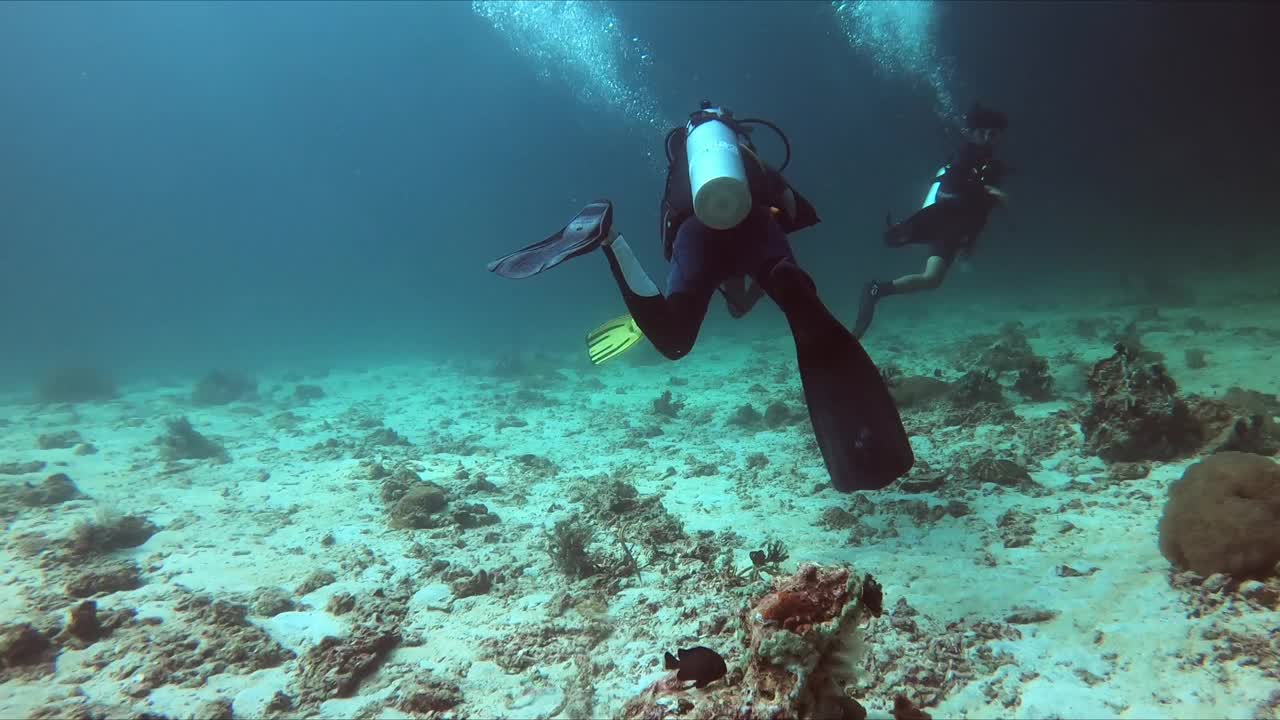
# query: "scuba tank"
(711, 180)
(931, 197)
(717, 175)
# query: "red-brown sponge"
(1223, 516)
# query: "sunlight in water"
(898, 36)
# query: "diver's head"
(984, 126)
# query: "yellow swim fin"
(612, 339)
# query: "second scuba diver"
(955, 210)
(725, 216)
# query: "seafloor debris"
(798, 645)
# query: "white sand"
(229, 531)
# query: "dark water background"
(190, 185)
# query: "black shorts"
(948, 248)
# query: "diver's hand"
(997, 193)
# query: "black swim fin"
(584, 233)
(871, 294)
(857, 424)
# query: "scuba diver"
(955, 210)
(620, 334)
(725, 215)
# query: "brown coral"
(1136, 413)
(1222, 514)
(806, 599)
(797, 640)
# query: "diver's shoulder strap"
(677, 197)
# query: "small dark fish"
(699, 664)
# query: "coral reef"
(796, 648)
(109, 533)
(1258, 434)
(103, 579)
(429, 696)
(216, 638)
(1251, 402)
(1222, 515)
(665, 407)
(1000, 471)
(418, 507)
(914, 392)
(1010, 352)
(1034, 381)
(566, 543)
(335, 667)
(22, 645)
(59, 440)
(976, 399)
(1136, 413)
(1159, 290)
(271, 601)
(316, 580)
(182, 442)
(53, 490)
(307, 393)
(747, 417)
(642, 532)
(222, 387)
(779, 413)
(76, 385)
(22, 468)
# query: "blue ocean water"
(191, 183)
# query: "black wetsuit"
(952, 223)
(703, 258)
